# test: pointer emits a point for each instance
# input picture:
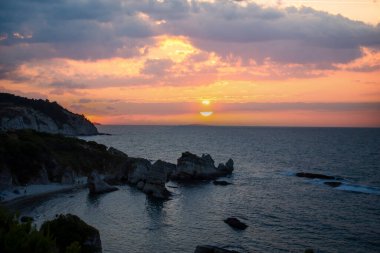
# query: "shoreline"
(16, 203)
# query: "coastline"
(23, 200)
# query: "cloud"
(178, 108)
(48, 42)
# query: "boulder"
(155, 181)
(137, 169)
(96, 185)
(223, 183)
(169, 168)
(314, 175)
(68, 177)
(114, 151)
(212, 249)
(140, 185)
(235, 223)
(190, 167)
(333, 183)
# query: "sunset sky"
(259, 63)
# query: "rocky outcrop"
(235, 223)
(41, 115)
(67, 229)
(192, 167)
(137, 170)
(212, 249)
(155, 181)
(333, 183)
(168, 168)
(314, 176)
(97, 186)
(221, 182)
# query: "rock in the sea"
(190, 167)
(313, 175)
(67, 229)
(333, 183)
(116, 152)
(221, 182)
(96, 185)
(137, 169)
(169, 168)
(155, 181)
(235, 223)
(212, 249)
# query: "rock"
(140, 185)
(66, 229)
(68, 177)
(313, 175)
(96, 185)
(230, 164)
(137, 169)
(212, 249)
(155, 181)
(114, 151)
(41, 177)
(235, 223)
(223, 183)
(169, 168)
(190, 167)
(333, 184)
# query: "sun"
(206, 114)
(205, 102)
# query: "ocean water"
(284, 213)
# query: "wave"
(359, 189)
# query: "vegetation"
(16, 237)
(65, 234)
(51, 109)
(25, 152)
(72, 234)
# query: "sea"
(284, 213)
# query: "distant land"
(41, 115)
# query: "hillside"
(41, 115)
(28, 157)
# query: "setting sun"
(206, 114)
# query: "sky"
(161, 62)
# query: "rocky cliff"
(41, 115)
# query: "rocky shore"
(30, 158)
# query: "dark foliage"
(68, 229)
(25, 152)
(18, 237)
(51, 109)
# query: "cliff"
(41, 115)
(30, 157)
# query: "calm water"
(284, 213)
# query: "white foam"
(359, 189)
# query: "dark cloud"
(100, 29)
